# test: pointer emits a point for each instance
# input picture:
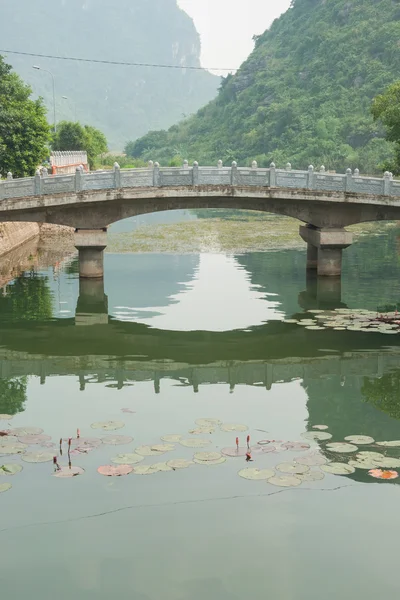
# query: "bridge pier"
(91, 244)
(325, 248)
(92, 307)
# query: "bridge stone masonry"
(324, 202)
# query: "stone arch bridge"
(324, 202)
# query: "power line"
(116, 62)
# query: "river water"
(171, 339)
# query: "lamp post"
(72, 102)
(54, 93)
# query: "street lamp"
(72, 102)
(54, 93)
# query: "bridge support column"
(329, 244)
(91, 244)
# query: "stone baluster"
(78, 180)
(9, 175)
(349, 181)
(150, 164)
(234, 173)
(37, 184)
(288, 166)
(156, 175)
(195, 173)
(254, 164)
(185, 165)
(219, 164)
(117, 176)
(387, 183)
(310, 178)
(272, 175)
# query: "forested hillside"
(304, 94)
(124, 102)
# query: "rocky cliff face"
(125, 102)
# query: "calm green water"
(176, 338)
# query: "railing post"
(156, 175)
(37, 184)
(387, 183)
(234, 172)
(117, 176)
(272, 175)
(254, 164)
(310, 178)
(349, 181)
(196, 173)
(78, 180)
(185, 165)
(9, 175)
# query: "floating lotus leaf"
(316, 435)
(292, 321)
(38, 457)
(108, 425)
(20, 431)
(340, 328)
(116, 440)
(391, 444)
(155, 450)
(151, 469)
(207, 456)
(256, 474)
(4, 487)
(68, 472)
(6, 417)
(219, 461)
(370, 456)
(179, 463)
(202, 430)
(314, 327)
(311, 476)
(207, 422)
(264, 442)
(194, 443)
(34, 439)
(388, 463)
(15, 448)
(8, 439)
(128, 410)
(127, 459)
(171, 437)
(11, 469)
(296, 446)
(359, 439)
(379, 474)
(338, 469)
(89, 442)
(315, 311)
(236, 452)
(112, 471)
(233, 427)
(312, 460)
(341, 447)
(293, 468)
(320, 427)
(363, 464)
(285, 480)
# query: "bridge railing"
(188, 176)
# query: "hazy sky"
(226, 27)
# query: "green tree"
(28, 299)
(24, 131)
(12, 395)
(386, 109)
(74, 136)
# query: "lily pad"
(20, 431)
(179, 463)
(116, 440)
(34, 439)
(15, 448)
(38, 457)
(112, 471)
(6, 417)
(202, 430)
(379, 474)
(233, 427)
(292, 468)
(207, 422)
(316, 435)
(88, 442)
(320, 427)
(365, 464)
(4, 487)
(175, 438)
(285, 481)
(390, 444)
(151, 469)
(195, 443)
(389, 463)
(68, 472)
(8, 439)
(364, 455)
(155, 450)
(207, 456)
(312, 460)
(256, 474)
(341, 447)
(360, 439)
(11, 469)
(108, 425)
(219, 461)
(296, 446)
(263, 442)
(311, 476)
(127, 459)
(338, 469)
(236, 452)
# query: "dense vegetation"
(24, 131)
(386, 108)
(304, 95)
(74, 136)
(124, 102)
